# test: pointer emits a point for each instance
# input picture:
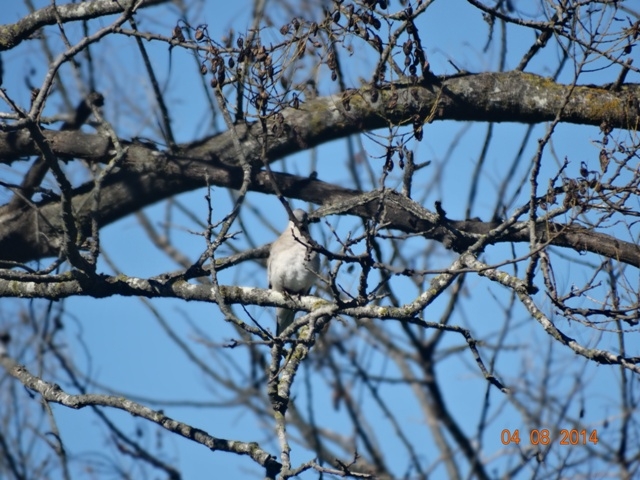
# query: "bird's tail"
(284, 318)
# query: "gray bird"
(292, 266)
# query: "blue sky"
(131, 353)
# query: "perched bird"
(292, 265)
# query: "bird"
(293, 266)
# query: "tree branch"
(149, 175)
(13, 34)
(53, 393)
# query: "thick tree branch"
(13, 34)
(32, 233)
(149, 175)
(101, 286)
(498, 97)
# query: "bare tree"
(477, 311)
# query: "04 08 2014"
(544, 437)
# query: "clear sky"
(129, 351)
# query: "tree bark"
(147, 175)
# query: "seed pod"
(604, 160)
(388, 164)
(417, 128)
(177, 34)
(407, 47)
(605, 128)
(584, 171)
(262, 54)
